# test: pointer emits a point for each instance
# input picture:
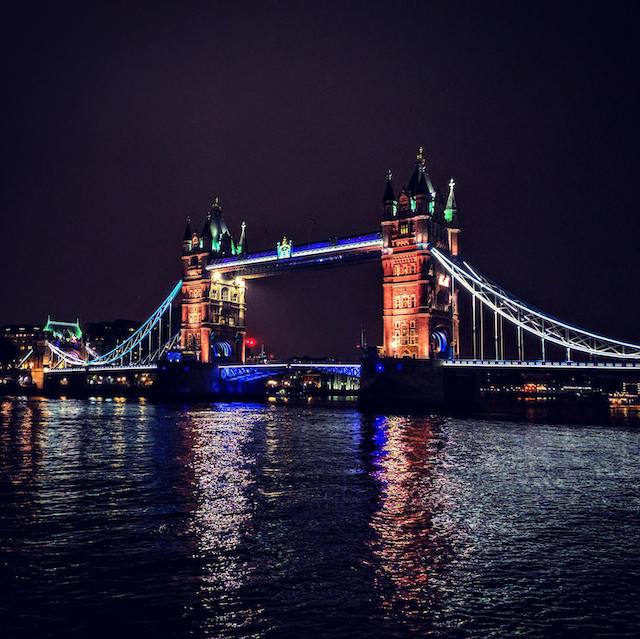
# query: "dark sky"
(118, 122)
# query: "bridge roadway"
(537, 364)
(239, 371)
(101, 369)
(242, 371)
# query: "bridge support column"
(205, 345)
(37, 377)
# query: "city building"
(104, 336)
(22, 337)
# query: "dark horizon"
(119, 123)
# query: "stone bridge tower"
(212, 308)
(420, 303)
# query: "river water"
(127, 518)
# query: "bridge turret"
(419, 301)
(206, 233)
(213, 306)
(451, 209)
(420, 189)
(415, 176)
(241, 247)
(389, 202)
(451, 219)
(187, 237)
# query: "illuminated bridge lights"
(100, 369)
(318, 249)
(512, 363)
(457, 274)
(251, 371)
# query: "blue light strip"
(372, 240)
(254, 371)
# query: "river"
(126, 518)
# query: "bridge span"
(440, 315)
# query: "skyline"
(100, 147)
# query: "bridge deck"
(509, 363)
(100, 369)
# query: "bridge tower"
(420, 300)
(213, 307)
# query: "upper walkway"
(337, 250)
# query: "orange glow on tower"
(420, 309)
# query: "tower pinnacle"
(389, 195)
(187, 230)
(451, 209)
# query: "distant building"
(104, 336)
(62, 331)
(30, 342)
(22, 336)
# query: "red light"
(250, 342)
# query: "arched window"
(224, 294)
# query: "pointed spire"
(422, 187)
(215, 207)
(187, 230)
(242, 242)
(389, 195)
(206, 229)
(412, 187)
(451, 209)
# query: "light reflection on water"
(240, 520)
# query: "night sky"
(119, 122)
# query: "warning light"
(250, 342)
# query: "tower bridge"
(437, 307)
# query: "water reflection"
(406, 545)
(133, 518)
(223, 478)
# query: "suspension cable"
(531, 320)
